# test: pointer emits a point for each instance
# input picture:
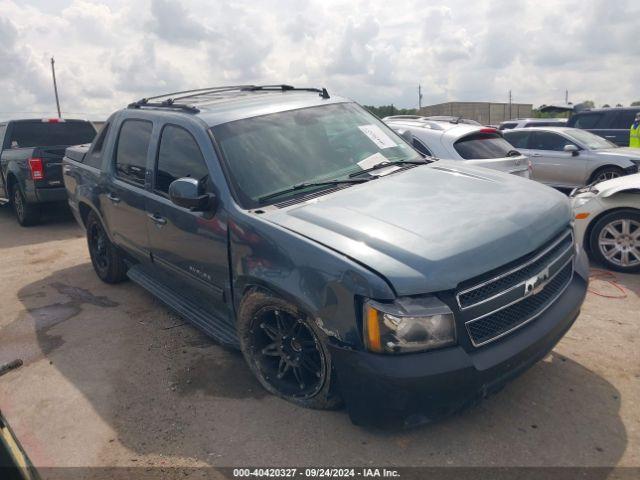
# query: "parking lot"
(112, 377)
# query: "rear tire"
(107, 261)
(287, 352)
(27, 214)
(605, 173)
(615, 241)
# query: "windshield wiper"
(389, 163)
(303, 185)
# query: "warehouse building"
(487, 113)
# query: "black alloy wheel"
(287, 353)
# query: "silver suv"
(472, 144)
(569, 157)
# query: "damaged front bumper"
(407, 390)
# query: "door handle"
(157, 219)
(536, 154)
(609, 136)
(113, 198)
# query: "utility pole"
(566, 97)
(55, 86)
(510, 99)
(419, 97)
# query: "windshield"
(591, 141)
(270, 153)
(48, 134)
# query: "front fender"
(317, 279)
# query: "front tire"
(605, 173)
(107, 261)
(27, 214)
(615, 241)
(286, 351)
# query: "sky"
(376, 52)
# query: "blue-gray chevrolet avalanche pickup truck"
(347, 268)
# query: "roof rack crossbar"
(170, 100)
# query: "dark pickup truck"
(298, 227)
(31, 154)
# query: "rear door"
(619, 126)
(551, 164)
(190, 247)
(123, 200)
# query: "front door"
(190, 247)
(123, 201)
(551, 164)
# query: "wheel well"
(84, 212)
(587, 234)
(11, 181)
(604, 167)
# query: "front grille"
(500, 283)
(498, 324)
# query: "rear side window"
(421, 147)
(623, 119)
(585, 120)
(46, 134)
(482, 146)
(94, 159)
(517, 139)
(131, 152)
(548, 141)
(508, 126)
(178, 156)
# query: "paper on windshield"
(377, 136)
(375, 159)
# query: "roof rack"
(201, 95)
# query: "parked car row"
(393, 267)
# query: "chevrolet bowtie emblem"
(534, 285)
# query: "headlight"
(408, 325)
(580, 201)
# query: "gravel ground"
(113, 378)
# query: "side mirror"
(571, 149)
(188, 193)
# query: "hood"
(620, 184)
(626, 152)
(429, 228)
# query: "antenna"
(55, 85)
(510, 100)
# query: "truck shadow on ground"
(166, 390)
(57, 223)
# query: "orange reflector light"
(373, 330)
(582, 216)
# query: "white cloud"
(376, 52)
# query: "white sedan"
(607, 222)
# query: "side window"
(517, 139)
(131, 151)
(421, 147)
(507, 126)
(178, 156)
(587, 120)
(623, 120)
(94, 158)
(548, 141)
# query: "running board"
(219, 330)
